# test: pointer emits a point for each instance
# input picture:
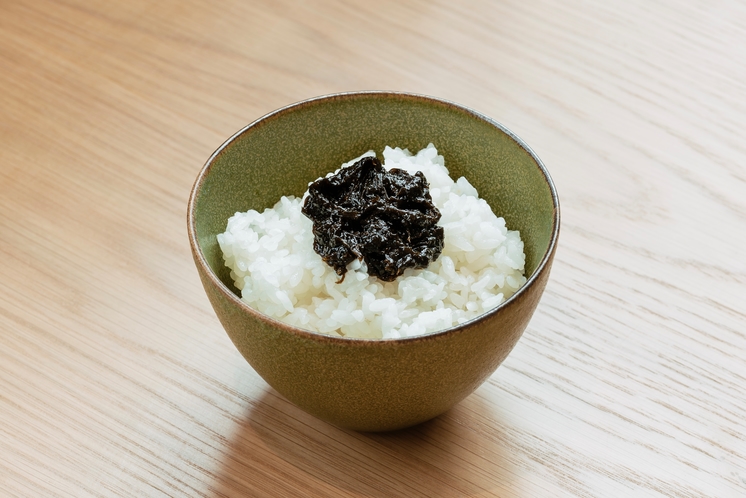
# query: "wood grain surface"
(116, 379)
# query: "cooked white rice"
(273, 263)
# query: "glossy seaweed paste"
(385, 218)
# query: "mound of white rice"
(273, 263)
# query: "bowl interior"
(281, 153)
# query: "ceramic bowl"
(362, 384)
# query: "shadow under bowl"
(362, 384)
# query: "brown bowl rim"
(366, 342)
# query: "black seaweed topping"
(386, 218)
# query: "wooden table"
(116, 378)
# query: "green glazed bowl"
(362, 384)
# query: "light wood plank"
(116, 378)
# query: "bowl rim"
(200, 260)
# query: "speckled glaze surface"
(355, 383)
